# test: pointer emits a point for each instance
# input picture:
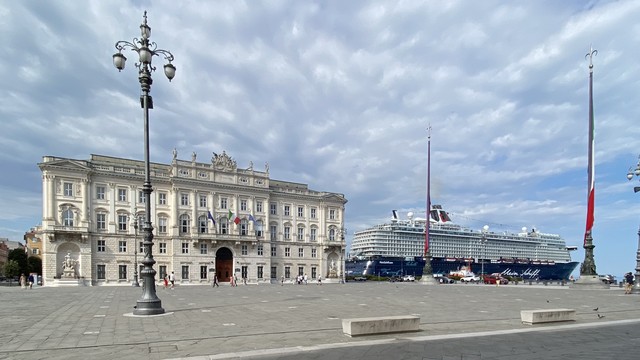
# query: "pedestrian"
(30, 281)
(244, 280)
(215, 281)
(231, 280)
(166, 281)
(319, 280)
(282, 281)
(628, 283)
(23, 281)
(305, 279)
(172, 280)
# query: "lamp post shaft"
(135, 283)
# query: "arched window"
(300, 234)
(258, 228)
(67, 217)
(332, 234)
(185, 224)
(243, 227)
(203, 224)
(313, 235)
(223, 223)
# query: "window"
(184, 199)
(67, 217)
(122, 195)
(203, 272)
(244, 272)
(300, 252)
(141, 247)
(101, 221)
(332, 214)
(260, 272)
(185, 224)
(259, 206)
(203, 223)
(258, 225)
(287, 272)
(100, 192)
(313, 273)
(141, 197)
(260, 250)
(287, 210)
(163, 271)
(102, 246)
(34, 251)
(332, 234)
(273, 251)
(122, 246)
(244, 249)
(68, 189)
(122, 272)
(314, 231)
(313, 213)
(273, 231)
(162, 248)
(162, 198)
(223, 224)
(287, 233)
(274, 272)
(300, 270)
(243, 227)
(314, 253)
(122, 222)
(203, 249)
(300, 234)
(185, 247)
(101, 272)
(203, 201)
(185, 272)
(287, 252)
(162, 225)
(300, 211)
(243, 205)
(223, 203)
(273, 209)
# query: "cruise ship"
(396, 248)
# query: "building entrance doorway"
(224, 264)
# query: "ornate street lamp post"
(149, 303)
(135, 282)
(630, 174)
(485, 230)
(343, 254)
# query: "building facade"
(33, 243)
(208, 218)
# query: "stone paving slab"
(70, 323)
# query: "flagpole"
(427, 271)
(588, 274)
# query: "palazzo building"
(208, 218)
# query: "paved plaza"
(304, 321)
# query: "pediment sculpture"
(224, 162)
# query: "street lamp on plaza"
(149, 303)
(135, 282)
(636, 172)
(343, 253)
(485, 230)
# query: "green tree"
(11, 269)
(34, 264)
(19, 256)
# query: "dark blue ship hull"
(528, 270)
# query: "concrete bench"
(380, 325)
(548, 315)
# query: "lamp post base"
(148, 307)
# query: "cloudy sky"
(339, 95)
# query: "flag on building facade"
(211, 217)
(252, 219)
(230, 214)
(236, 220)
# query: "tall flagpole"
(588, 274)
(427, 271)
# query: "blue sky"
(339, 95)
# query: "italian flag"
(591, 185)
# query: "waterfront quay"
(304, 321)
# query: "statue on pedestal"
(69, 266)
(333, 271)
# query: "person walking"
(172, 280)
(628, 283)
(23, 281)
(166, 281)
(30, 281)
(215, 281)
(282, 281)
(319, 280)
